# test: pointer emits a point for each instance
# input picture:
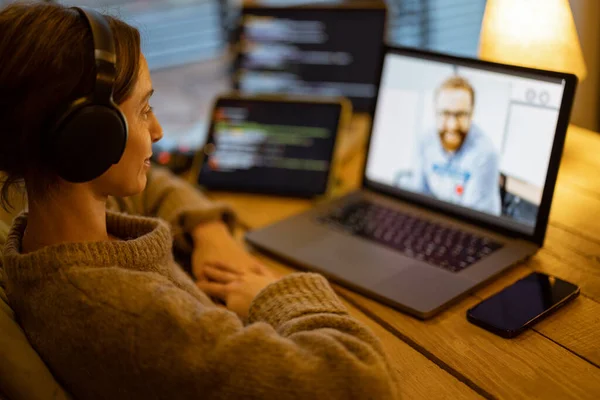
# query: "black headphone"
(91, 134)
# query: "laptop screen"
(475, 138)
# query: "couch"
(23, 374)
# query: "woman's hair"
(47, 61)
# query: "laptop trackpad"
(421, 288)
(384, 271)
(360, 263)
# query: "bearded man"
(458, 163)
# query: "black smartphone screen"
(510, 310)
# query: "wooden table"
(447, 357)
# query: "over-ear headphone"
(91, 134)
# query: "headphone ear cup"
(88, 141)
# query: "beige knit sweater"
(121, 320)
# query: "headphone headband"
(104, 54)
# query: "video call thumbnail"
(311, 52)
(465, 135)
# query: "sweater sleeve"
(300, 343)
(183, 206)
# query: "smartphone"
(509, 312)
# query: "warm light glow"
(532, 33)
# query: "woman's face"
(128, 176)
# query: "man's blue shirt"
(469, 177)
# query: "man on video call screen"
(457, 162)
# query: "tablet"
(276, 145)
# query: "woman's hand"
(213, 244)
(236, 288)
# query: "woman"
(98, 292)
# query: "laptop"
(457, 185)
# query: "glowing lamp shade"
(532, 33)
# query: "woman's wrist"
(209, 232)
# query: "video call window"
(470, 137)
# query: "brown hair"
(458, 82)
(48, 62)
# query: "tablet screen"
(274, 147)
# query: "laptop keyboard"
(437, 244)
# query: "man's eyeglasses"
(459, 115)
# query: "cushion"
(23, 374)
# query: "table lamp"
(532, 33)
